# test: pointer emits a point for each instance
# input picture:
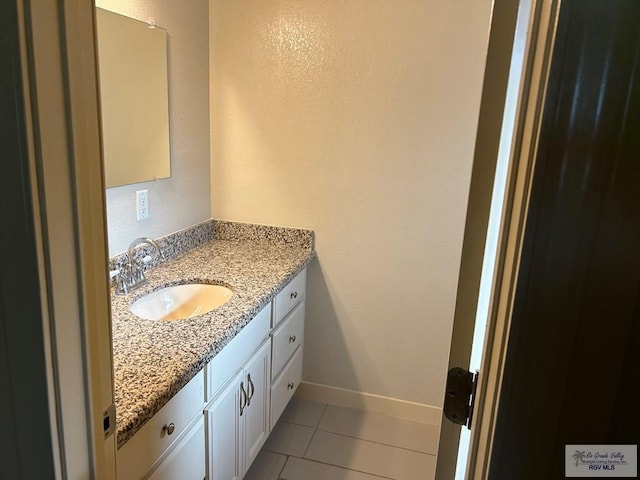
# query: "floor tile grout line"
(386, 415)
(280, 423)
(315, 430)
(373, 441)
(283, 466)
(369, 441)
(324, 407)
(342, 467)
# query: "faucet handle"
(121, 284)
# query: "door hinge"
(109, 421)
(460, 396)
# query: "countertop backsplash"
(178, 243)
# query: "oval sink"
(181, 301)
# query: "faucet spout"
(144, 241)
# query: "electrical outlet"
(142, 204)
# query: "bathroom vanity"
(198, 397)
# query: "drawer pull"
(294, 295)
(169, 429)
(250, 389)
(243, 398)
(292, 338)
(290, 385)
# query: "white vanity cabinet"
(242, 391)
(238, 395)
(246, 396)
(237, 419)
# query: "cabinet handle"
(294, 295)
(243, 398)
(169, 429)
(251, 389)
(292, 338)
(290, 385)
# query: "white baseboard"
(417, 412)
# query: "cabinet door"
(225, 432)
(187, 459)
(256, 415)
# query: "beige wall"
(356, 119)
(185, 198)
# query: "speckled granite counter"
(153, 360)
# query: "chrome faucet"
(130, 276)
(136, 269)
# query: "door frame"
(490, 120)
(64, 147)
(522, 141)
(522, 163)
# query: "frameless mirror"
(132, 58)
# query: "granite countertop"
(153, 360)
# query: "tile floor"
(316, 441)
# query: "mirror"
(134, 98)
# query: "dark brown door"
(572, 358)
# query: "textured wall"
(185, 198)
(356, 119)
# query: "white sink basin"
(181, 301)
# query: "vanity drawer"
(285, 386)
(227, 362)
(187, 459)
(286, 338)
(293, 293)
(147, 445)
